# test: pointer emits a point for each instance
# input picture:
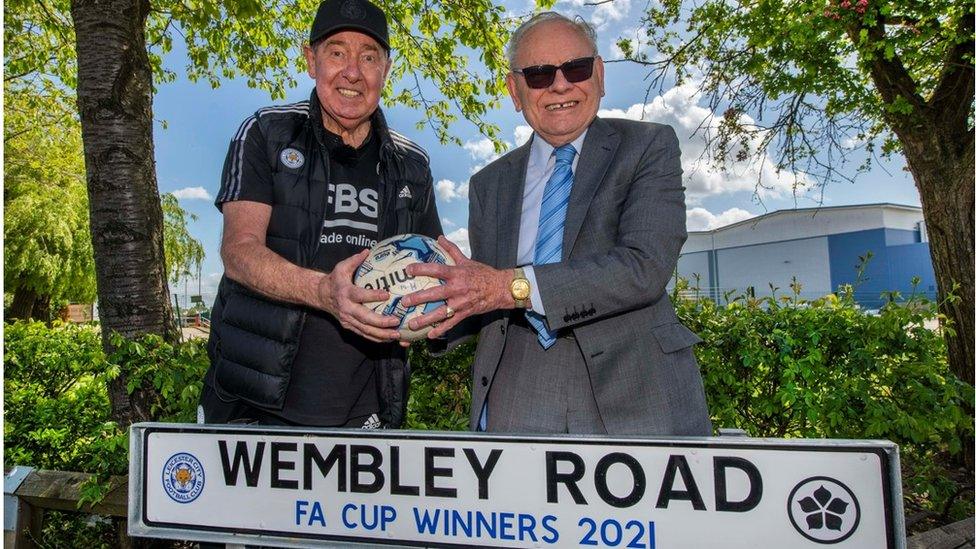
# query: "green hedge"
(57, 413)
(785, 367)
(776, 367)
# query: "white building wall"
(775, 247)
(793, 224)
(697, 242)
(898, 218)
(777, 263)
(691, 264)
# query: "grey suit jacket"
(625, 225)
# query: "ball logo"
(385, 269)
(183, 477)
(352, 9)
(292, 158)
(823, 510)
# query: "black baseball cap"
(359, 15)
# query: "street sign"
(301, 487)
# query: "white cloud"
(522, 134)
(483, 152)
(460, 237)
(853, 142)
(700, 219)
(448, 190)
(192, 193)
(483, 149)
(602, 14)
(679, 108)
(447, 222)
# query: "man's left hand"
(470, 288)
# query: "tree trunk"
(22, 307)
(115, 104)
(944, 179)
(944, 176)
(42, 309)
(937, 138)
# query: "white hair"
(584, 29)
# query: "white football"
(386, 269)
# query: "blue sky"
(201, 121)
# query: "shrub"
(786, 367)
(776, 367)
(57, 413)
(440, 388)
(55, 404)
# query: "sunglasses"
(542, 76)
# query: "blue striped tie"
(552, 218)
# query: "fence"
(29, 492)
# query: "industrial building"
(821, 247)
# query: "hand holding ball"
(385, 269)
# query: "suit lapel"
(598, 149)
(511, 185)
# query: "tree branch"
(952, 99)
(59, 24)
(890, 76)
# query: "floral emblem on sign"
(824, 509)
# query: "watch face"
(520, 289)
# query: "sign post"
(300, 487)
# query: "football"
(385, 269)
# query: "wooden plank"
(27, 534)
(61, 490)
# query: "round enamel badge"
(292, 158)
(183, 477)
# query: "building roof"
(798, 211)
(806, 223)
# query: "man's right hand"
(345, 301)
(249, 261)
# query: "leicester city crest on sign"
(183, 477)
(292, 158)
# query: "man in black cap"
(306, 188)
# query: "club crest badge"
(292, 158)
(183, 477)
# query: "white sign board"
(290, 487)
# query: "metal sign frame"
(139, 525)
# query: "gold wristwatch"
(520, 289)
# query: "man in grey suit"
(574, 236)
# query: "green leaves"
(432, 44)
(48, 247)
(174, 371)
(184, 254)
(55, 404)
(440, 395)
(785, 367)
(56, 408)
(806, 71)
(47, 244)
(772, 366)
